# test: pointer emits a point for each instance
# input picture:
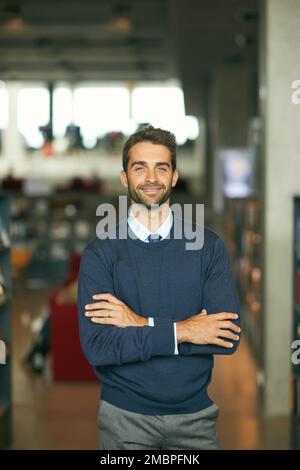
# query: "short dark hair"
(154, 135)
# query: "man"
(152, 313)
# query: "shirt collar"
(142, 232)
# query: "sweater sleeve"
(106, 344)
(219, 295)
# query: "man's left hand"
(112, 311)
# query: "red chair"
(68, 360)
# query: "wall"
(280, 43)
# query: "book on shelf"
(4, 237)
(3, 290)
(297, 288)
(4, 351)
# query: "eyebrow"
(141, 162)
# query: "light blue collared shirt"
(142, 233)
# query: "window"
(33, 112)
(62, 110)
(3, 106)
(98, 110)
(163, 106)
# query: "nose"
(151, 175)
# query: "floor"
(49, 415)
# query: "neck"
(152, 218)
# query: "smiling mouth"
(151, 190)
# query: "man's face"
(149, 177)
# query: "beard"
(138, 197)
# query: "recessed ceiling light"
(15, 24)
(122, 16)
(122, 23)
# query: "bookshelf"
(47, 229)
(5, 326)
(243, 233)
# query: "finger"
(108, 297)
(228, 334)
(100, 313)
(230, 326)
(226, 316)
(98, 305)
(223, 343)
(105, 321)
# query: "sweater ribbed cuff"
(162, 333)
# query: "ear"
(123, 178)
(175, 178)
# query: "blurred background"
(76, 79)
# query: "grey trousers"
(124, 430)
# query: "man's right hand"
(207, 329)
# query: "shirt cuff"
(175, 337)
(150, 321)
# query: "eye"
(138, 168)
(162, 168)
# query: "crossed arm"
(113, 335)
(197, 329)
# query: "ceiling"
(90, 39)
(128, 40)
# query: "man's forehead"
(149, 149)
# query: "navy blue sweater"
(137, 365)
